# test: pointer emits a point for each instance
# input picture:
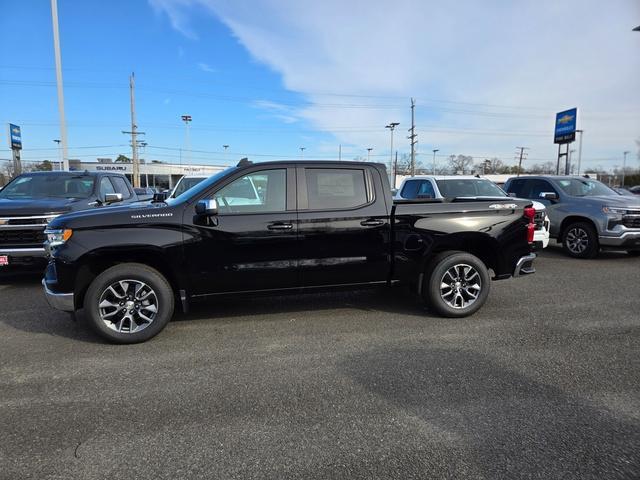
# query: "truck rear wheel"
(129, 303)
(456, 284)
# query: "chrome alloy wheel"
(460, 286)
(577, 240)
(128, 306)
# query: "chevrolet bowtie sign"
(15, 137)
(565, 131)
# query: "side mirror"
(549, 195)
(159, 197)
(112, 197)
(207, 207)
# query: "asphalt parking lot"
(544, 382)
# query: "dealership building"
(152, 174)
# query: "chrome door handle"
(280, 226)
(371, 222)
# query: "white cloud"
(205, 67)
(481, 71)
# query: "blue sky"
(267, 77)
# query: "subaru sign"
(15, 137)
(565, 131)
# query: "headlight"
(58, 237)
(614, 210)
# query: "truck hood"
(615, 200)
(41, 206)
(104, 217)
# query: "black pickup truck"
(32, 200)
(280, 226)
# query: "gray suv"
(585, 214)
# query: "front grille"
(12, 237)
(631, 221)
(538, 219)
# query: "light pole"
(187, 120)
(580, 150)
(59, 154)
(571, 152)
(434, 161)
(56, 51)
(624, 166)
(369, 154)
(392, 126)
(302, 149)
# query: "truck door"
(251, 243)
(343, 226)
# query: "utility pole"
(568, 168)
(134, 135)
(302, 149)
(187, 120)
(412, 138)
(59, 154)
(434, 161)
(391, 127)
(580, 150)
(624, 166)
(522, 149)
(56, 49)
(369, 154)
(135, 166)
(340, 152)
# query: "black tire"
(438, 272)
(133, 276)
(634, 253)
(580, 240)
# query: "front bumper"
(524, 266)
(625, 240)
(59, 301)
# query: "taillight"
(530, 213)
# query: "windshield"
(582, 187)
(47, 186)
(469, 187)
(186, 183)
(200, 187)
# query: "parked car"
(635, 190)
(316, 225)
(449, 186)
(144, 193)
(31, 200)
(585, 214)
(623, 191)
(185, 183)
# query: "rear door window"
(340, 188)
(417, 189)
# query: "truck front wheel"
(129, 303)
(456, 284)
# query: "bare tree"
(460, 164)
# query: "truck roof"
(313, 162)
(79, 173)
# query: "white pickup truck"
(447, 186)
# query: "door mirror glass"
(207, 207)
(549, 195)
(113, 197)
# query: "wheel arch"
(574, 219)
(93, 263)
(481, 245)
